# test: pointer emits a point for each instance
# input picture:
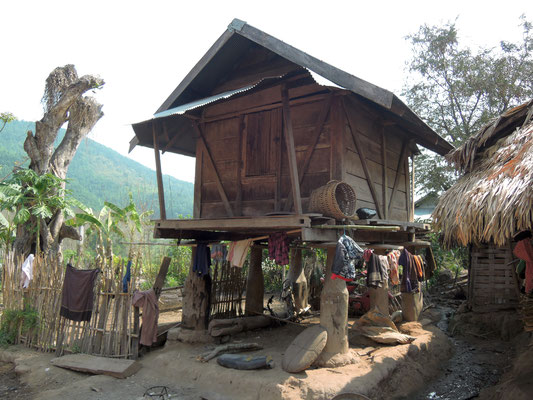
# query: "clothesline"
(194, 244)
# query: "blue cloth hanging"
(127, 278)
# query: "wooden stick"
(360, 227)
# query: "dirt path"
(476, 363)
(10, 386)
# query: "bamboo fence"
(111, 331)
(227, 287)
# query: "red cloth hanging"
(524, 251)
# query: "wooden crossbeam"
(291, 151)
(403, 153)
(359, 149)
(213, 167)
(314, 141)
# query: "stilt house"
(490, 204)
(265, 134)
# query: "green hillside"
(99, 174)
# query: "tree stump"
(255, 284)
(379, 298)
(195, 300)
(334, 317)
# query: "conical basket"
(336, 199)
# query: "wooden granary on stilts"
(265, 135)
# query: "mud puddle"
(476, 363)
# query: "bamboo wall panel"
(492, 285)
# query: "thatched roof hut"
(493, 200)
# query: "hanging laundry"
(27, 271)
(238, 251)
(367, 254)
(419, 265)
(202, 260)
(348, 255)
(278, 248)
(376, 271)
(409, 279)
(392, 258)
(219, 252)
(127, 278)
(147, 300)
(524, 251)
(78, 293)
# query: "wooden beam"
(172, 141)
(412, 187)
(197, 208)
(312, 144)
(161, 276)
(385, 181)
(291, 151)
(407, 188)
(359, 149)
(209, 160)
(277, 192)
(160, 189)
(401, 160)
(237, 223)
(238, 198)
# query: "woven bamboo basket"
(336, 199)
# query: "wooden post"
(412, 188)
(195, 300)
(385, 181)
(334, 317)
(160, 189)
(255, 284)
(291, 151)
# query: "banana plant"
(111, 221)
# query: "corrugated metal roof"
(202, 102)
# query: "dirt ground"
(463, 359)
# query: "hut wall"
(244, 138)
(492, 283)
(369, 128)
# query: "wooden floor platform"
(311, 228)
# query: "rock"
(118, 368)
(304, 349)
(397, 316)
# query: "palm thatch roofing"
(493, 200)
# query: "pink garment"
(524, 251)
(393, 257)
(238, 251)
(147, 300)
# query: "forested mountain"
(99, 174)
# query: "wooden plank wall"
(369, 129)
(228, 139)
(227, 133)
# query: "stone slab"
(304, 349)
(118, 368)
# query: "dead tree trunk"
(64, 102)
